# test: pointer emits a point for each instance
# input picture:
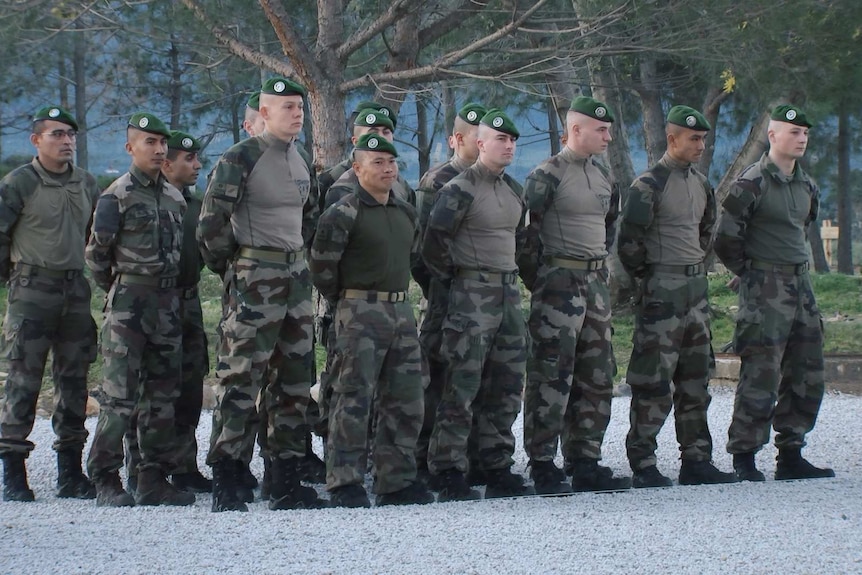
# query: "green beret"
(279, 86)
(790, 114)
(375, 143)
(182, 141)
(688, 118)
(377, 107)
(497, 119)
(149, 123)
(57, 114)
(472, 113)
(254, 101)
(592, 108)
(370, 117)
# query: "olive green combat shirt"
(475, 224)
(363, 244)
(766, 215)
(190, 255)
(348, 183)
(45, 217)
(668, 218)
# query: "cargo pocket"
(13, 333)
(116, 370)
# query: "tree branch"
(362, 36)
(292, 45)
(451, 21)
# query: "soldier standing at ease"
(665, 233)
(573, 208)
(45, 212)
(464, 133)
(470, 246)
(360, 262)
(779, 338)
(134, 254)
(181, 169)
(259, 214)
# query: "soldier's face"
(148, 151)
(55, 144)
(590, 137)
(496, 149)
(685, 145)
(382, 131)
(282, 115)
(183, 170)
(376, 171)
(789, 140)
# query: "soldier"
(181, 168)
(259, 213)
(360, 262)
(463, 140)
(252, 122)
(573, 208)
(469, 247)
(134, 254)
(779, 338)
(665, 233)
(45, 211)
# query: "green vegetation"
(839, 298)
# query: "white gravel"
(774, 527)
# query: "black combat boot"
(193, 482)
(266, 482)
(287, 492)
(791, 465)
(650, 477)
(224, 487)
(246, 482)
(351, 496)
(15, 487)
(453, 486)
(476, 476)
(71, 481)
(703, 473)
(313, 467)
(588, 475)
(414, 494)
(548, 478)
(154, 489)
(504, 483)
(109, 491)
(743, 465)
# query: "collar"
(772, 168)
(144, 179)
(570, 155)
(675, 164)
(366, 198)
(459, 163)
(485, 172)
(50, 178)
(275, 142)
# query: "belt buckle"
(71, 274)
(800, 269)
(165, 283)
(692, 270)
(594, 265)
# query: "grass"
(839, 298)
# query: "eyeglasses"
(60, 134)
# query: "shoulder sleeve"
(15, 189)
(637, 217)
(99, 254)
(330, 241)
(452, 204)
(539, 190)
(738, 207)
(224, 191)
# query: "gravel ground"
(774, 527)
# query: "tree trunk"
(553, 129)
(711, 108)
(653, 116)
(79, 65)
(423, 142)
(845, 206)
(821, 265)
(327, 112)
(176, 83)
(449, 113)
(605, 83)
(754, 147)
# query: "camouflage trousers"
(266, 330)
(46, 314)
(377, 369)
(485, 347)
(187, 409)
(779, 339)
(430, 336)
(325, 330)
(671, 344)
(141, 347)
(570, 368)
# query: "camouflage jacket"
(264, 190)
(574, 202)
(476, 223)
(669, 217)
(137, 229)
(191, 262)
(328, 177)
(363, 244)
(348, 183)
(45, 221)
(766, 217)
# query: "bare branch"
(293, 46)
(361, 37)
(451, 21)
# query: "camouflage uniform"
(361, 262)
(259, 212)
(431, 330)
(573, 209)
(470, 245)
(779, 338)
(665, 232)
(195, 357)
(44, 221)
(134, 255)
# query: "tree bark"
(715, 97)
(653, 116)
(754, 147)
(423, 142)
(79, 65)
(176, 84)
(845, 206)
